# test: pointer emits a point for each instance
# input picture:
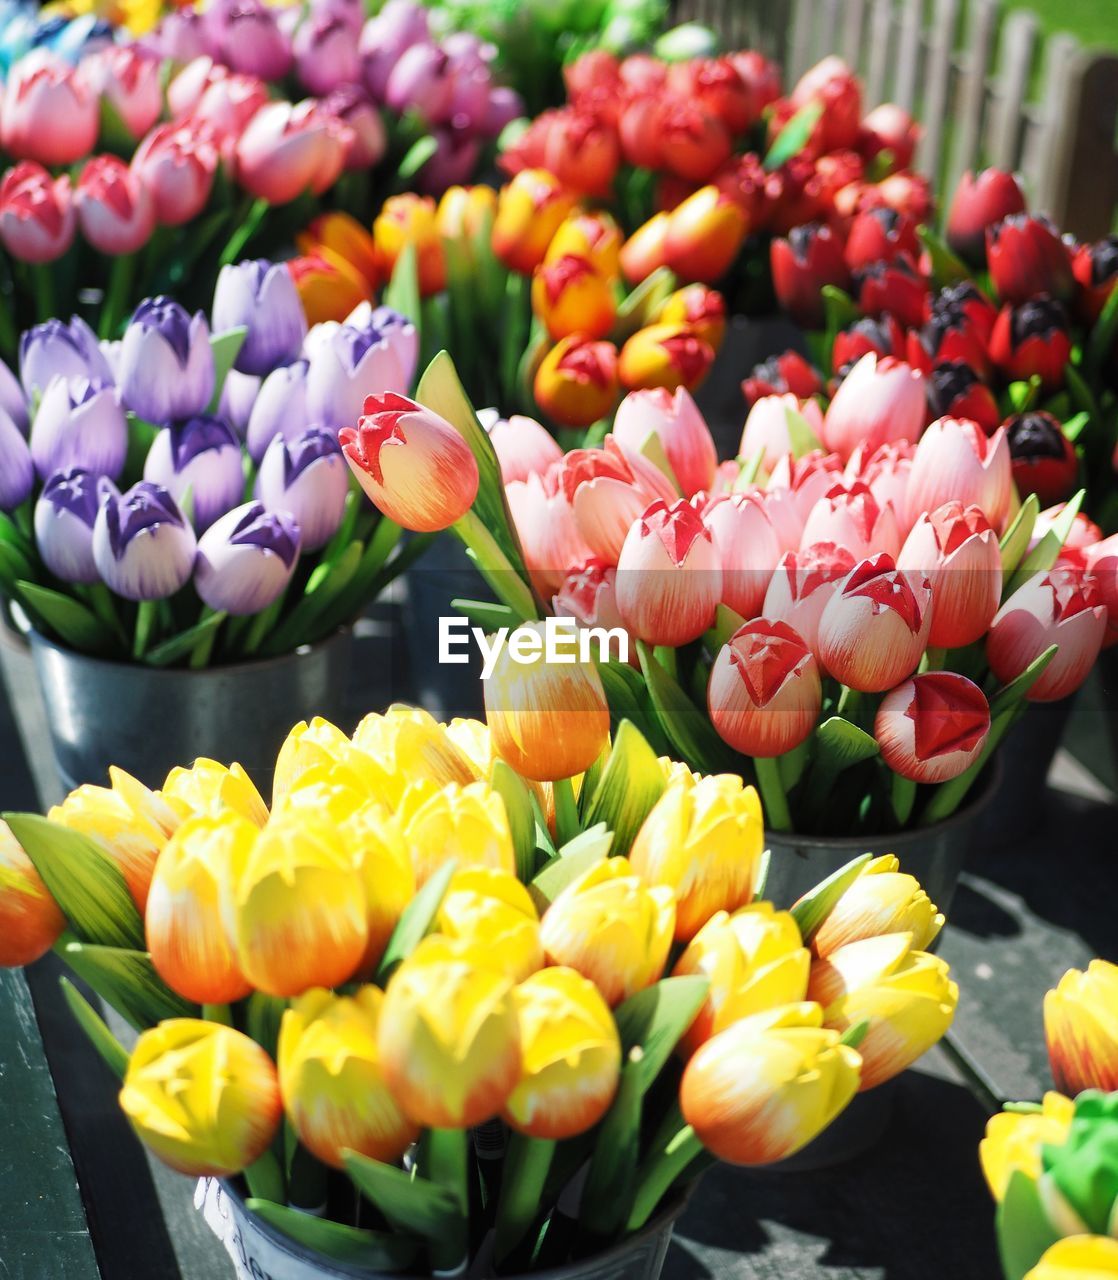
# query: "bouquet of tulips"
(1053, 1166)
(519, 956)
(180, 496)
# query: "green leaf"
(1015, 541)
(839, 745)
(688, 730)
(840, 308)
(560, 872)
(726, 622)
(74, 624)
(631, 783)
(416, 921)
(1024, 1232)
(127, 981)
(513, 790)
(1074, 427)
(375, 1251)
(656, 1018)
(1015, 692)
(415, 158)
(598, 837)
(412, 1205)
(182, 645)
(627, 695)
(324, 587)
(225, 347)
(91, 1022)
(800, 434)
(792, 139)
(947, 269)
(83, 879)
(527, 1162)
(652, 449)
(402, 291)
(610, 1184)
(485, 614)
(444, 1157)
(637, 308)
(818, 903)
(1047, 551)
(1100, 344)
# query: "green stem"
(661, 1170)
(904, 797)
(447, 1153)
(527, 1163)
(24, 520)
(934, 659)
(494, 567)
(262, 623)
(848, 704)
(566, 811)
(9, 335)
(248, 223)
(44, 291)
(665, 655)
(200, 656)
(775, 802)
(100, 600)
(265, 1179)
(117, 297)
(145, 625)
(218, 1013)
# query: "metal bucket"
(147, 720)
(259, 1250)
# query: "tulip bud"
(956, 461)
(1014, 1141)
(410, 220)
(646, 249)
(569, 296)
(50, 113)
(261, 296)
(932, 727)
(811, 257)
(492, 909)
(115, 210)
(209, 788)
(577, 382)
(1044, 460)
(801, 586)
(37, 216)
(30, 920)
(748, 549)
(202, 1097)
(767, 426)
(60, 349)
(448, 1037)
(765, 1087)
(1080, 1029)
(286, 151)
(414, 466)
(1032, 340)
(65, 513)
(881, 900)
(347, 364)
(878, 402)
(530, 210)
(675, 420)
(309, 479)
(200, 456)
(79, 423)
(329, 288)
(414, 746)
(594, 236)
(166, 363)
(1026, 257)
(468, 823)
(956, 391)
(980, 202)
(333, 1081)
(1062, 607)
(781, 375)
(849, 516)
(545, 525)
(523, 447)
(704, 235)
(588, 594)
(664, 355)
(1079, 1257)
(246, 559)
(612, 928)
(280, 409)
(176, 163)
(669, 576)
(1095, 267)
(127, 78)
(143, 547)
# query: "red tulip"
(979, 203)
(909, 193)
(880, 235)
(718, 87)
(875, 628)
(802, 264)
(669, 579)
(1026, 256)
(834, 85)
(802, 585)
(1102, 560)
(115, 209)
(589, 594)
(850, 516)
(694, 144)
(639, 131)
(1095, 267)
(1033, 339)
(956, 548)
(878, 401)
(948, 337)
(760, 75)
(779, 375)
(545, 524)
(642, 73)
(896, 287)
(748, 549)
(1044, 459)
(37, 217)
(177, 164)
(596, 69)
(955, 459)
(581, 152)
(872, 335)
(933, 727)
(608, 489)
(890, 128)
(956, 391)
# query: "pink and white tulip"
(802, 585)
(885, 471)
(128, 79)
(177, 164)
(851, 517)
(1102, 560)
(115, 209)
(589, 595)
(37, 216)
(806, 479)
(546, 527)
(608, 488)
(674, 418)
(523, 447)
(748, 547)
(933, 727)
(50, 113)
(956, 460)
(879, 401)
(766, 426)
(288, 150)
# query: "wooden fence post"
(1084, 190)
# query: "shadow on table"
(914, 1208)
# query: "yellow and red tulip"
(494, 910)
(30, 920)
(700, 308)
(704, 234)
(1081, 1026)
(570, 296)
(577, 381)
(340, 238)
(466, 823)
(665, 355)
(595, 236)
(530, 210)
(645, 251)
(410, 219)
(322, 746)
(882, 900)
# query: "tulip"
(280, 409)
(463, 212)
(413, 464)
(59, 348)
(956, 391)
(395, 329)
(956, 461)
(569, 296)
(309, 479)
(64, 517)
(262, 297)
(249, 39)
(549, 719)
(333, 1081)
(377, 846)
(906, 997)
(1044, 460)
(50, 114)
(1102, 561)
(581, 151)
(545, 525)
(286, 151)
(17, 470)
(896, 288)
(398, 26)
(202, 1096)
(209, 788)
(612, 928)
(410, 220)
(849, 516)
(143, 547)
(1015, 1139)
(806, 479)
(1082, 1031)
(782, 374)
(246, 559)
(200, 456)
(1026, 257)
(328, 287)
(227, 103)
(466, 822)
(411, 745)
(878, 402)
(347, 366)
(882, 900)
(810, 257)
(980, 202)
(420, 82)
(37, 217)
(127, 79)
(874, 629)
(834, 86)
(577, 381)
(594, 236)
(326, 55)
(368, 139)
(932, 727)
(176, 163)
(30, 920)
(664, 355)
(321, 750)
(748, 549)
(1079, 1257)
(1062, 607)
(703, 840)
(530, 210)
(166, 364)
(79, 423)
(523, 447)
(802, 585)
(889, 128)
(693, 143)
(1032, 340)
(669, 576)
(492, 909)
(674, 418)
(950, 336)
(700, 309)
(646, 249)
(767, 426)
(183, 35)
(704, 235)
(115, 210)
(766, 1086)
(1095, 267)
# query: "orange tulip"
(569, 296)
(345, 238)
(595, 236)
(410, 219)
(328, 286)
(665, 355)
(529, 212)
(30, 921)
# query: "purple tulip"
(352, 105)
(326, 54)
(17, 471)
(166, 363)
(12, 400)
(64, 518)
(184, 35)
(421, 82)
(79, 423)
(346, 365)
(142, 545)
(238, 395)
(203, 456)
(262, 297)
(249, 39)
(505, 106)
(469, 97)
(455, 158)
(60, 349)
(308, 477)
(280, 409)
(397, 328)
(246, 559)
(399, 25)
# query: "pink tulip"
(890, 128)
(398, 26)
(608, 488)
(849, 515)
(765, 691)
(878, 401)
(453, 162)
(523, 447)
(177, 164)
(766, 426)
(186, 90)
(874, 629)
(49, 114)
(183, 35)
(250, 39)
(669, 580)
(1084, 532)
(420, 82)
(115, 209)
(37, 218)
(368, 139)
(933, 727)
(807, 479)
(802, 585)
(1063, 607)
(589, 595)
(784, 512)
(545, 525)
(289, 150)
(1102, 560)
(674, 418)
(231, 104)
(957, 549)
(326, 54)
(955, 459)
(748, 549)
(128, 79)
(885, 472)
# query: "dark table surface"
(75, 1186)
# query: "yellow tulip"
(493, 909)
(209, 787)
(409, 744)
(1081, 1026)
(765, 1087)
(530, 210)
(333, 1084)
(1078, 1258)
(469, 824)
(157, 808)
(612, 928)
(30, 921)
(704, 841)
(375, 843)
(881, 900)
(299, 914)
(906, 996)
(328, 792)
(473, 739)
(322, 745)
(190, 905)
(754, 959)
(570, 1056)
(448, 1036)
(548, 720)
(1014, 1140)
(203, 1097)
(595, 236)
(410, 219)
(462, 210)
(569, 295)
